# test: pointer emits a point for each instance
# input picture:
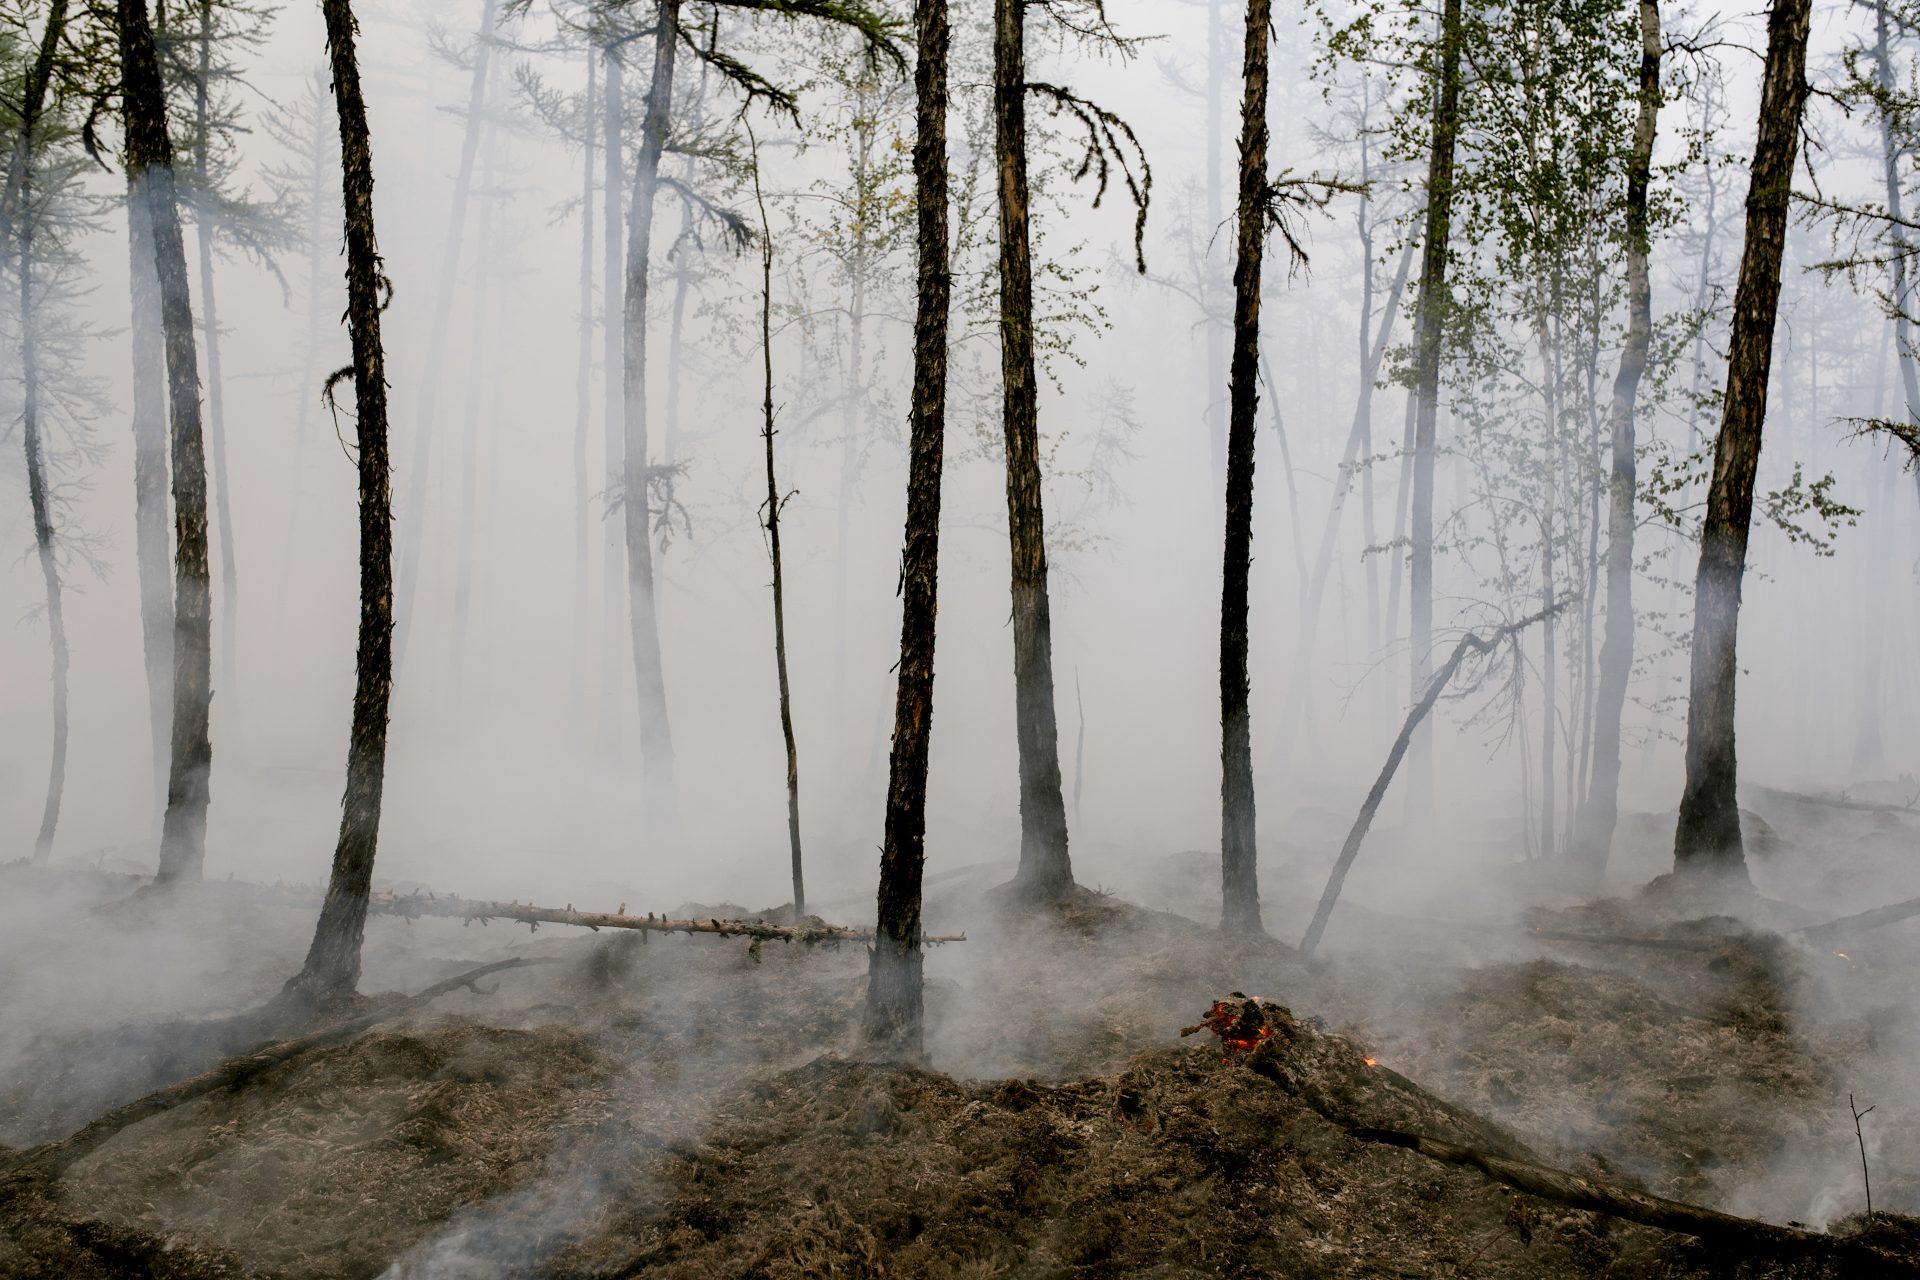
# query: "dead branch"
(1621, 1202)
(1469, 643)
(1836, 930)
(51, 1159)
(467, 909)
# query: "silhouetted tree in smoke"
(152, 187)
(22, 216)
(1594, 837)
(333, 961)
(895, 994)
(1046, 870)
(1708, 836)
(770, 520)
(413, 511)
(1430, 325)
(1239, 858)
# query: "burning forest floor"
(688, 1107)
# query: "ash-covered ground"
(691, 1107)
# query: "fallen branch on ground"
(1835, 930)
(466, 909)
(50, 1160)
(1601, 1197)
(1469, 643)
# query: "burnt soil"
(688, 1108)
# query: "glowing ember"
(1372, 1062)
(1240, 1022)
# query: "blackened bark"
(333, 961)
(1708, 836)
(656, 734)
(772, 521)
(894, 992)
(1239, 867)
(210, 328)
(1595, 836)
(39, 498)
(149, 159)
(1430, 328)
(1046, 871)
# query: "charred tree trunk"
(1708, 836)
(210, 328)
(149, 158)
(894, 992)
(583, 380)
(773, 545)
(39, 497)
(1595, 837)
(613, 546)
(1431, 326)
(1239, 865)
(1046, 871)
(333, 962)
(656, 735)
(414, 513)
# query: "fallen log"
(1846, 926)
(1469, 643)
(51, 1159)
(1624, 940)
(1839, 802)
(1620, 1202)
(458, 908)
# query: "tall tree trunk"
(1708, 836)
(613, 545)
(1212, 282)
(1239, 858)
(470, 426)
(682, 252)
(656, 735)
(149, 159)
(583, 379)
(1351, 462)
(772, 521)
(414, 512)
(332, 969)
(210, 328)
(153, 539)
(39, 498)
(309, 390)
(895, 997)
(1595, 838)
(1908, 359)
(1431, 326)
(1046, 871)
(850, 444)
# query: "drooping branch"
(1468, 644)
(1110, 142)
